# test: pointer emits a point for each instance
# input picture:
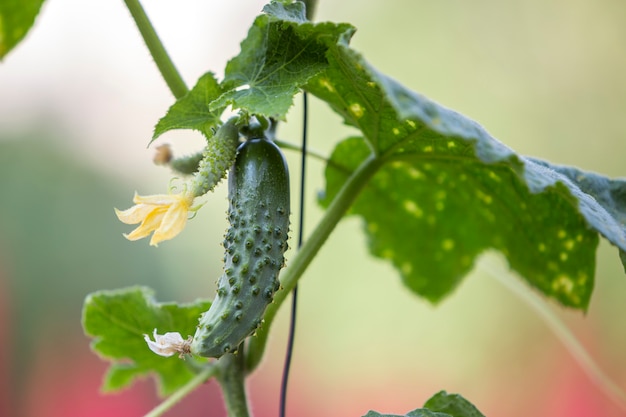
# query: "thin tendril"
(604, 383)
(294, 299)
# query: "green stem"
(338, 207)
(232, 381)
(182, 392)
(169, 72)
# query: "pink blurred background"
(79, 99)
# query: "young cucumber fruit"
(255, 243)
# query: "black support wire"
(294, 293)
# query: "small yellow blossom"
(163, 214)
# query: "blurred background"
(78, 101)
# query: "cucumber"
(255, 243)
(217, 158)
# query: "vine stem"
(182, 392)
(231, 377)
(562, 332)
(338, 207)
(162, 60)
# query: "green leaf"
(118, 376)
(192, 110)
(281, 53)
(447, 191)
(118, 320)
(415, 413)
(603, 201)
(453, 405)
(441, 404)
(16, 19)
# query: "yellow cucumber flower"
(163, 214)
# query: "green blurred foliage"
(59, 241)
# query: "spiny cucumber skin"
(217, 158)
(255, 243)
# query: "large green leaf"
(16, 19)
(117, 321)
(281, 53)
(192, 110)
(447, 191)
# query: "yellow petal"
(157, 199)
(148, 225)
(172, 224)
(135, 214)
(163, 214)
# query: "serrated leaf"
(117, 321)
(280, 54)
(453, 405)
(447, 191)
(16, 19)
(192, 110)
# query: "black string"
(294, 293)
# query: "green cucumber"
(217, 158)
(255, 243)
